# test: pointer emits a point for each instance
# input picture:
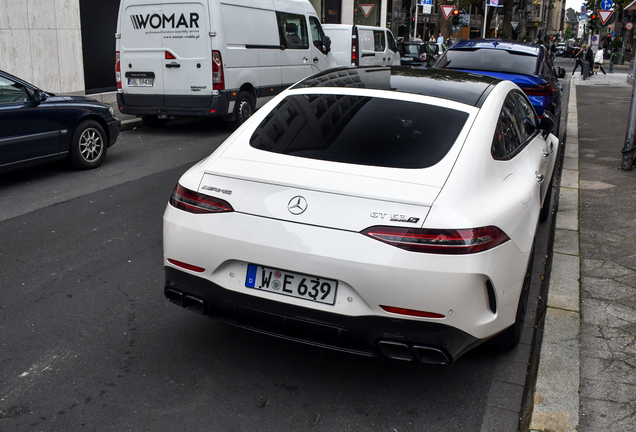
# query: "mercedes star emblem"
(297, 205)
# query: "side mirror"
(547, 123)
(561, 72)
(326, 44)
(39, 96)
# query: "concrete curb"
(556, 394)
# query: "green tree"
(568, 32)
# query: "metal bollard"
(586, 70)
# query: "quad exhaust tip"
(423, 354)
(189, 302)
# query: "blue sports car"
(527, 65)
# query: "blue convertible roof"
(462, 87)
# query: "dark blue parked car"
(37, 127)
(527, 65)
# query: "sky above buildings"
(574, 4)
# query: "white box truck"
(222, 58)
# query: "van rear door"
(141, 53)
(187, 78)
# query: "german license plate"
(291, 284)
(140, 82)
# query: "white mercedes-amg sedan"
(386, 211)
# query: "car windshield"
(360, 130)
(490, 60)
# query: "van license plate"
(291, 284)
(140, 82)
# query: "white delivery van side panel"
(340, 35)
(251, 52)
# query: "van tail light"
(539, 90)
(354, 50)
(169, 56)
(440, 241)
(193, 202)
(117, 71)
(218, 82)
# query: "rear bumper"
(375, 336)
(175, 105)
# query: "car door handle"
(540, 178)
(173, 65)
(546, 154)
(315, 59)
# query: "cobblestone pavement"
(608, 261)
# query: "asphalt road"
(89, 342)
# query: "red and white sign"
(366, 9)
(629, 25)
(604, 15)
(448, 10)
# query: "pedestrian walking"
(589, 58)
(553, 51)
(579, 59)
(440, 39)
(598, 60)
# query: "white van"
(354, 45)
(213, 57)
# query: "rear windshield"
(411, 49)
(360, 130)
(490, 60)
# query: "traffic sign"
(629, 25)
(613, 34)
(604, 14)
(448, 10)
(607, 4)
(583, 10)
(594, 38)
(366, 9)
(425, 2)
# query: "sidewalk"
(587, 372)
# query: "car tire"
(510, 337)
(88, 145)
(153, 121)
(547, 203)
(243, 109)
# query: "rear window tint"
(360, 130)
(490, 60)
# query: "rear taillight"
(117, 71)
(218, 83)
(354, 50)
(193, 202)
(539, 90)
(169, 56)
(440, 241)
